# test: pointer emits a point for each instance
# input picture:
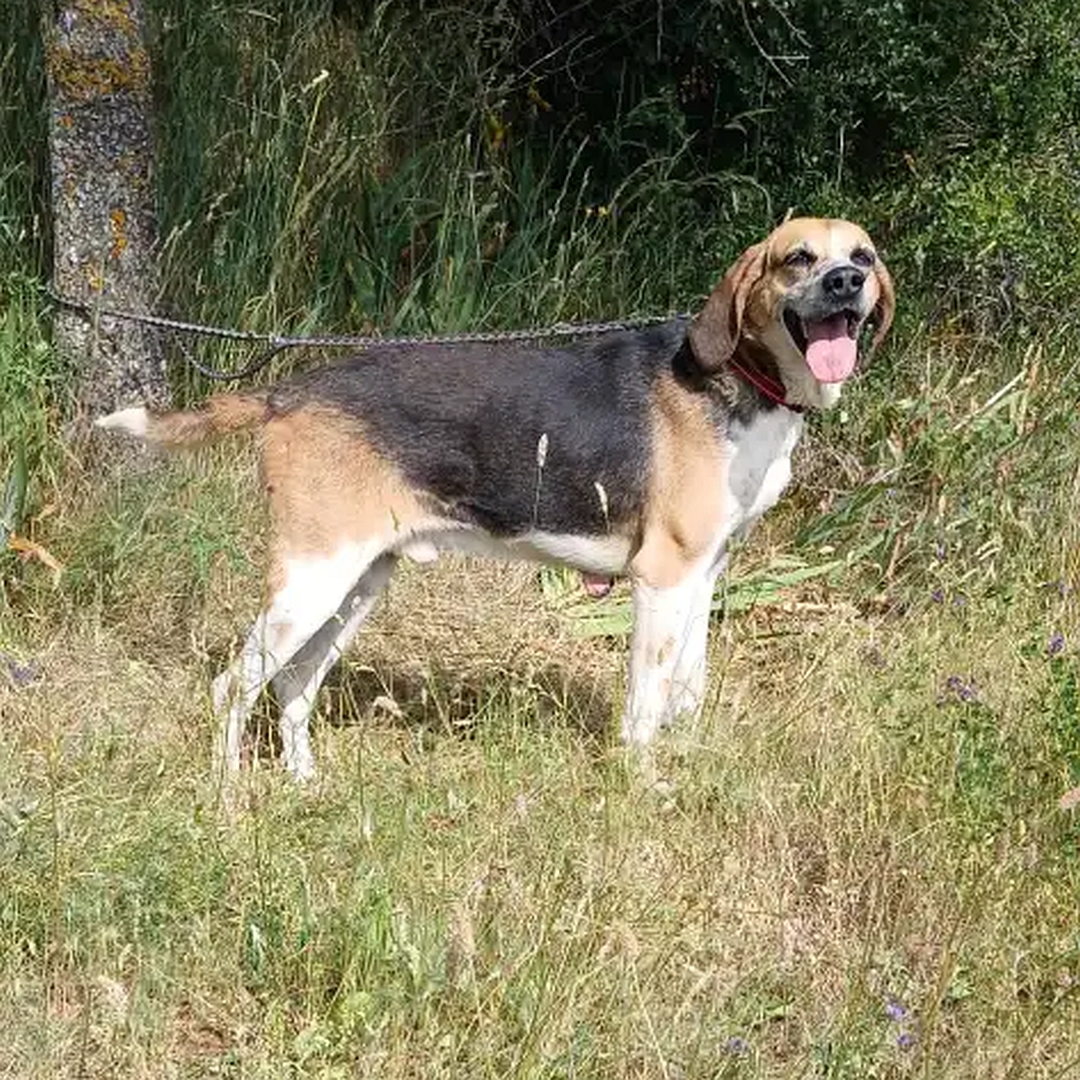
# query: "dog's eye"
(800, 257)
(863, 257)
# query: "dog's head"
(804, 294)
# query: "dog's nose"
(843, 282)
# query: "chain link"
(277, 343)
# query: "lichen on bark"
(101, 157)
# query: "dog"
(637, 452)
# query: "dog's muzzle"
(825, 324)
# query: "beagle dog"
(636, 452)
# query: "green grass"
(482, 883)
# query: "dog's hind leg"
(312, 589)
(297, 683)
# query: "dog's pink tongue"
(829, 351)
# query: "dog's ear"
(885, 308)
(714, 333)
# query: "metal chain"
(276, 343)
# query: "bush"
(983, 239)
(461, 148)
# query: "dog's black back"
(511, 438)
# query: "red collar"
(773, 390)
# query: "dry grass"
(481, 884)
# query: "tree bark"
(104, 227)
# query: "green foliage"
(982, 236)
(510, 902)
(156, 544)
(404, 167)
(348, 181)
(31, 402)
(1063, 716)
(31, 382)
(738, 592)
(24, 206)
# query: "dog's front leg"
(667, 654)
(691, 668)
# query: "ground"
(854, 865)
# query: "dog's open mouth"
(830, 345)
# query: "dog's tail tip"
(221, 415)
(133, 421)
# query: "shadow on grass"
(443, 700)
(439, 702)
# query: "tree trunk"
(104, 228)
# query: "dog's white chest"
(760, 465)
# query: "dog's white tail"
(221, 415)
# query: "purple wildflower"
(20, 674)
(737, 1046)
(941, 550)
(938, 596)
(896, 1011)
(964, 691)
(1056, 645)
(905, 1040)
